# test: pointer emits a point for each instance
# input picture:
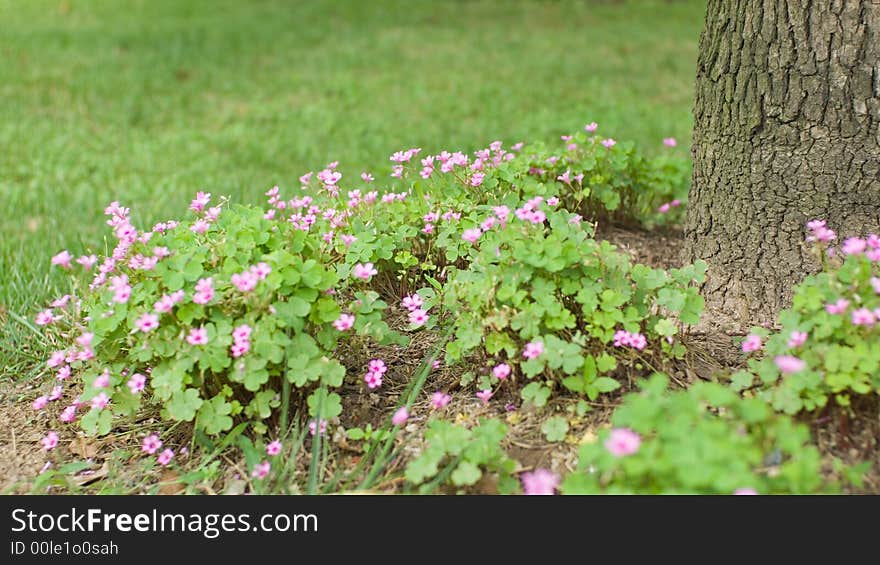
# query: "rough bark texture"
(786, 116)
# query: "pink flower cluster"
(636, 340)
(168, 302)
(751, 343)
(204, 291)
(539, 482)
(364, 271)
(869, 247)
(247, 281)
(533, 349)
(622, 442)
(820, 231)
(241, 340)
(314, 428)
(344, 322)
(664, 208)
(375, 370)
(440, 400)
(531, 212)
(418, 316)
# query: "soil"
(848, 435)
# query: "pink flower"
(68, 414)
(412, 302)
(56, 392)
(61, 302)
(197, 336)
(552, 201)
(400, 417)
(163, 305)
(245, 282)
(440, 400)
(165, 457)
(635, 340)
(484, 395)
(477, 179)
(539, 482)
(240, 348)
(591, 127)
(136, 383)
(854, 246)
(373, 380)
(101, 401)
(201, 200)
(313, 427)
(797, 339)
(863, 317)
(609, 143)
(44, 318)
(199, 226)
(747, 491)
(151, 444)
(344, 322)
(533, 349)
(472, 235)
(664, 208)
(788, 364)
(367, 177)
(838, 307)
(751, 343)
(56, 359)
(273, 448)
(63, 373)
(62, 259)
(261, 471)
(147, 323)
(364, 271)
(820, 231)
(40, 402)
(669, 142)
(347, 239)
(87, 261)
(50, 441)
(622, 442)
(875, 283)
(501, 371)
(418, 317)
(102, 380)
(242, 333)
(260, 270)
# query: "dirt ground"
(850, 437)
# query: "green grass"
(148, 101)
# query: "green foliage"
(562, 288)
(460, 457)
(288, 315)
(841, 358)
(706, 440)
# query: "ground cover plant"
(232, 267)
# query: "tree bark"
(786, 121)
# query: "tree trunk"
(786, 122)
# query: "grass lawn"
(148, 101)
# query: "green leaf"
(555, 428)
(213, 415)
(183, 405)
(606, 384)
(331, 404)
(536, 393)
(466, 473)
(665, 327)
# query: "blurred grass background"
(148, 101)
